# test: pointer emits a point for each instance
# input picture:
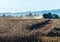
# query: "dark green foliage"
(45, 15)
(30, 14)
(55, 16)
(50, 15)
(21, 16)
(35, 15)
(3, 14)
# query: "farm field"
(29, 30)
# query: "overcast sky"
(28, 5)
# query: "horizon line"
(27, 11)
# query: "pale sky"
(28, 5)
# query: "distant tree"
(9, 15)
(55, 16)
(30, 14)
(35, 15)
(45, 15)
(26, 15)
(48, 15)
(21, 16)
(3, 14)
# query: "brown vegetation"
(19, 30)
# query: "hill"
(55, 11)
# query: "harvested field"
(26, 30)
(49, 39)
(14, 27)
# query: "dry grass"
(15, 30)
(49, 39)
(16, 27)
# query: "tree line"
(45, 15)
(50, 15)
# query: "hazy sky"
(28, 5)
